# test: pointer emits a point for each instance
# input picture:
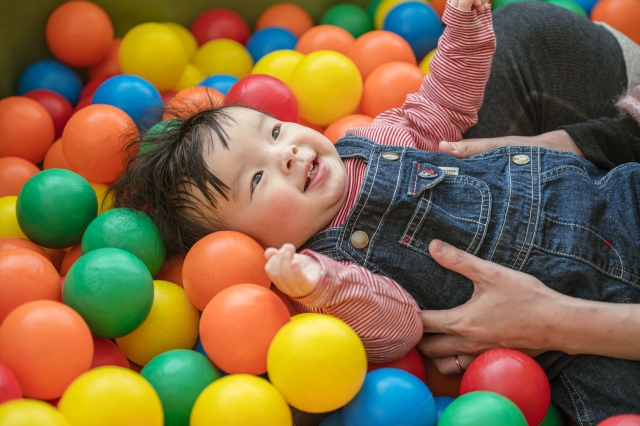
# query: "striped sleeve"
(449, 98)
(382, 313)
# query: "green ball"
(482, 408)
(569, 5)
(149, 140)
(179, 376)
(553, 417)
(372, 7)
(352, 18)
(498, 3)
(54, 208)
(111, 289)
(129, 230)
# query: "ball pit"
(388, 86)
(411, 362)
(219, 23)
(110, 65)
(188, 40)
(223, 56)
(264, 93)
(13, 242)
(285, 15)
(192, 100)
(14, 173)
(325, 37)
(8, 220)
(51, 75)
(278, 64)
(26, 129)
(482, 408)
(105, 352)
(350, 17)
(376, 48)
(30, 412)
(189, 78)
(9, 386)
(621, 420)
(268, 40)
(56, 105)
(54, 158)
(220, 82)
(416, 22)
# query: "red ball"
(26, 129)
(90, 88)
(56, 105)
(514, 375)
(219, 23)
(264, 93)
(9, 385)
(411, 362)
(105, 352)
(238, 325)
(621, 420)
(84, 102)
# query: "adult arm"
(510, 309)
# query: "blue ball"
(335, 419)
(51, 75)
(442, 402)
(220, 82)
(391, 397)
(268, 40)
(200, 348)
(587, 5)
(134, 95)
(417, 23)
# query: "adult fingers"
(461, 262)
(469, 147)
(449, 367)
(444, 345)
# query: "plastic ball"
(132, 94)
(569, 5)
(56, 105)
(499, 3)
(317, 362)
(105, 352)
(225, 402)
(411, 362)
(69, 259)
(482, 408)
(84, 102)
(93, 142)
(424, 64)
(220, 23)
(14, 172)
(285, 15)
(238, 325)
(554, 417)
(372, 6)
(388, 85)
(105, 200)
(418, 23)
(303, 122)
(172, 270)
(440, 6)
(219, 82)
(192, 100)
(54, 158)
(335, 419)
(154, 52)
(26, 129)
(179, 376)
(339, 128)
(107, 396)
(327, 85)
(46, 345)
(29, 412)
(9, 386)
(621, 420)
(279, 64)
(79, 33)
(514, 375)
(13, 242)
(325, 37)
(383, 9)
(189, 42)
(223, 56)
(376, 48)
(110, 65)
(586, 5)
(112, 290)
(264, 93)
(350, 17)
(442, 402)
(8, 221)
(268, 40)
(189, 78)
(51, 75)
(220, 260)
(129, 230)
(171, 324)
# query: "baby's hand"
(296, 275)
(466, 5)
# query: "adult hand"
(558, 140)
(508, 309)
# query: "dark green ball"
(553, 417)
(179, 376)
(150, 139)
(569, 5)
(129, 230)
(482, 408)
(499, 3)
(55, 207)
(111, 289)
(352, 18)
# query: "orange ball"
(46, 345)
(14, 172)
(79, 33)
(339, 128)
(375, 48)
(325, 37)
(26, 276)
(172, 270)
(220, 260)
(15, 242)
(192, 100)
(54, 159)
(439, 6)
(93, 142)
(69, 259)
(110, 64)
(238, 325)
(623, 15)
(388, 86)
(286, 15)
(26, 129)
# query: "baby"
(365, 210)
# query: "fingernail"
(438, 247)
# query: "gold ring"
(462, 370)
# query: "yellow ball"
(424, 64)
(317, 362)
(107, 396)
(279, 64)
(188, 40)
(155, 52)
(327, 85)
(190, 77)
(8, 220)
(105, 201)
(223, 56)
(384, 8)
(240, 400)
(171, 324)
(29, 412)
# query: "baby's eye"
(275, 132)
(255, 181)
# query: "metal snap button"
(521, 159)
(359, 239)
(391, 156)
(428, 173)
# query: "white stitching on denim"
(565, 380)
(569, 168)
(605, 180)
(424, 213)
(539, 213)
(504, 221)
(526, 234)
(622, 271)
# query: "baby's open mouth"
(311, 174)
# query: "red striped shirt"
(384, 315)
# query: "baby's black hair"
(166, 177)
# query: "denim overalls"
(546, 213)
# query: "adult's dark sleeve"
(607, 142)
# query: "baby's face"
(287, 181)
